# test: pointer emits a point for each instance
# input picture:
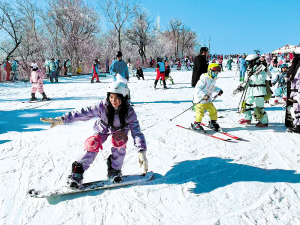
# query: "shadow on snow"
(207, 174)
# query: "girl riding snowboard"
(116, 117)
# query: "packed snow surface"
(197, 179)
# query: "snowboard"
(92, 186)
(46, 100)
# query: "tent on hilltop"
(285, 49)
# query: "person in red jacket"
(95, 71)
(7, 67)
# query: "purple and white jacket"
(101, 125)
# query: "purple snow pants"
(117, 159)
(296, 107)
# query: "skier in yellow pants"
(203, 98)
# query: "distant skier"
(243, 67)
(203, 98)
(139, 73)
(281, 87)
(95, 71)
(116, 117)
(37, 78)
(229, 62)
(160, 70)
(200, 65)
(120, 67)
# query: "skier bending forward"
(116, 117)
(203, 98)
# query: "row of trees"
(71, 29)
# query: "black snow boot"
(155, 83)
(113, 175)
(164, 82)
(92, 81)
(33, 98)
(215, 126)
(295, 129)
(76, 176)
(197, 127)
(45, 97)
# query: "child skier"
(116, 117)
(203, 98)
(160, 69)
(281, 88)
(36, 78)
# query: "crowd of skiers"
(256, 89)
(11, 66)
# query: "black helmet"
(203, 49)
(119, 54)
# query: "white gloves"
(143, 161)
(53, 121)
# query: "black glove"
(127, 78)
(220, 92)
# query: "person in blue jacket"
(120, 67)
(243, 66)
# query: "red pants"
(160, 75)
(7, 75)
(95, 75)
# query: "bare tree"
(118, 12)
(140, 33)
(173, 32)
(187, 39)
(10, 23)
(73, 24)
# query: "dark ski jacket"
(140, 73)
(200, 67)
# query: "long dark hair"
(294, 67)
(123, 110)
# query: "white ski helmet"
(120, 78)
(252, 57)
(118, 88)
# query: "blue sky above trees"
(234, 26)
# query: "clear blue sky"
(234, 26)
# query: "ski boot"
(243, 121)
(197, 127)
(261, 125)
(215, 126)
(45, 97)
(77, 176)
(155, 83)
(295, 129)
(92, 81)
(113, 175)
(33, 98)
(97, 81)
(165, 86)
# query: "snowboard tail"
(91, 186)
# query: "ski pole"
(186, 110)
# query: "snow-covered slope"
(198, 179)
